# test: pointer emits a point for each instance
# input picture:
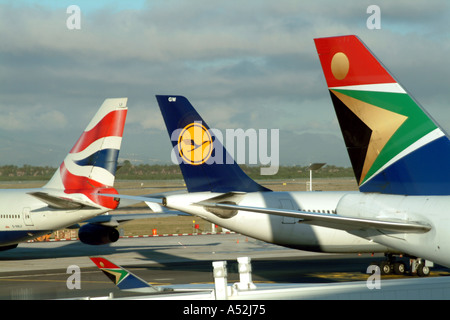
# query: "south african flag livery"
(394, 146)
(122, 278)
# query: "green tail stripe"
(415, 127)
(116, 275)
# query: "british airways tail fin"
(204, 162)
(395, 147)
(91, 164)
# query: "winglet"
(121, 277)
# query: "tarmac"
(41, 270)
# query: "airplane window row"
(321, 211)
(9, 216)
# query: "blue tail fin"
(394, 145)
(204, 162)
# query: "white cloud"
(249, 64)
(35, 118)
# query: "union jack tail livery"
(394, 145)
(91, 164)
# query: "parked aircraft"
(72, 194)
(219, 180)
(398, 153)
(399, 156)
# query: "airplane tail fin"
(395, 147)
(90, 166)
(121, 277)
(205, 163)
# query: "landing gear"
(416, 266)
(390, 265)
(399, 268)
(385, 267)
(420, 267)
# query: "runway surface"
(40, 270)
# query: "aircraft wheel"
(423, 270)
(385, 267)
(399, 268)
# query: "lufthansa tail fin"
(394, 145)
(90, 166)
(204, 162)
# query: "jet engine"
(97, 234)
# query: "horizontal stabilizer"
(61, 202)
(113, 220)
(231, 198)
(136, 198)
(332, 220)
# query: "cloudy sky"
(243, 64)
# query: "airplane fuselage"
(433, 245)
(284, 231)
(23, 217)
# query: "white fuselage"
(282, 230)
(433, 245)
(24, 217)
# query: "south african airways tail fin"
(395, 147)
(205, 163)
(121, 277)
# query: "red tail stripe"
(103, 263)
(364, 68)
(74, 182)
(88, 187)
(111, 125)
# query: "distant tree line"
(129, 171)
(26, 172)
